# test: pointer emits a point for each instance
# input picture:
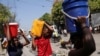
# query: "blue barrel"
(75, 8)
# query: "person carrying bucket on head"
(76, 15)
(14, 46)
(41, 39)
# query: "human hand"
(21, 32)
(32, 35)
(81, 19)
(6, 25)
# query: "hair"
(49, 32)
(12, 41)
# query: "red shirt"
(43, 46)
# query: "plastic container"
(37, 27)
(72, 9)
(13, 29)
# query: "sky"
(28, 10)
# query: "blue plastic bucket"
(73, 9)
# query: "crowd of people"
(84, 44)
(82, 40)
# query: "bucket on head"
(72, 9)
(37, 27)
(13, 27)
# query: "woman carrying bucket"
(42, 41)
(14, 46)
(77, 22)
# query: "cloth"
(2, 50)
(14, 50)
(55, 34)
(4, 43)
(43, 46)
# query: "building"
(95, 22)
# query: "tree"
(46, 17)
(94, 6)
(57, 15)
(5, 14)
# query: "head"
(45, 31)
(15, 41)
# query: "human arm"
(50, 30)
(4, 43)
(8, 31)
(23, 35)
(88, 40)
(33, 41)
(49, 27)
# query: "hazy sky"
(28, 10)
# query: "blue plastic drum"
(72, 9)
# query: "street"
(56, 46)
(57, 50)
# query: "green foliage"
(4, 16)
(4, 13)
(46, 17)
(94, 6)
(57, 15)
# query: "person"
(3, 44)
(14, 46)
(55, 36)
(42, 43)
(84, 44)
(29, 37)
(65, 32)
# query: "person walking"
(14, 46)
(84, 44)
(42, 43)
